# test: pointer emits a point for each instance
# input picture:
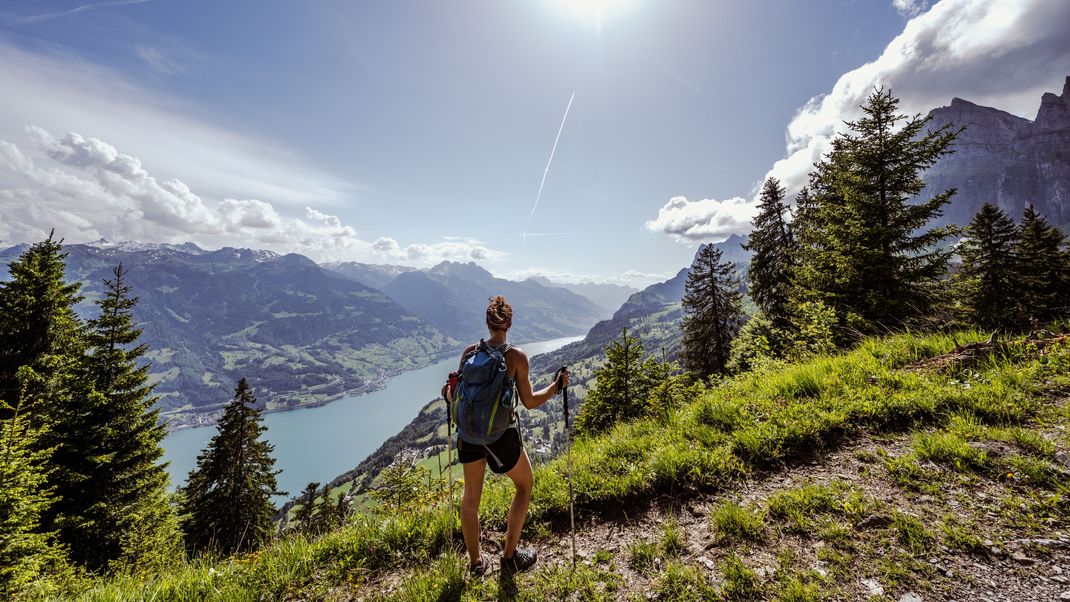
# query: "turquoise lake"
(318, 444)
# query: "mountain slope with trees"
(305, 335)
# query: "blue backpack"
(485, 400)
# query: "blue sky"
(410, 132)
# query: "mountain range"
(303, 334)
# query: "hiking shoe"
(522, 560)
(478, 569)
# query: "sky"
(413, 132)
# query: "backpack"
(484, 401)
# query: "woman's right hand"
(562, 378)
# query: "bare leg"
(518, 510)
(473, 491)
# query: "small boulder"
(910, 597)
(1022, 559)
(874, 521)
(873, 587)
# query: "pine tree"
(1042, 268)
(712, 314)
(400, 486)
(39, 329)
(620, 389)
(304, 514)
(989, 269)
(113, 505)
(770, 264)
(26, 552)
(227, 505)
(863, 250)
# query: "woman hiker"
(506, 454)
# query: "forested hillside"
(303, 334)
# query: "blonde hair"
(499, 314)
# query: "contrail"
(29, 19)
(552, 151)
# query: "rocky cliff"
(1007, 160)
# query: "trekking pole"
(449, 462)
(568, 444)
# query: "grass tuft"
(734, 522)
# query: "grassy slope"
(999, 426)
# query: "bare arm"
(532, 399)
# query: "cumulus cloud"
(1001, 53)
(704, 220)
(910, 8)
(86, 189)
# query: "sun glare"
(595, 10)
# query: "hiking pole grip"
(559, 377)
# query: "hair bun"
(499, 314)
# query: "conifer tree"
(989, 269)
(25, 550)
(1042, 268)
(620, 390)
(770, 264)
(227, 504)
(112, 498)
(305, 512)
(712, 313)
(864, 250)
(39, 329)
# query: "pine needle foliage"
(1044, 270)
(771, 243)
(627, 387)
(25, 550)
(989, 274)
(864, 249)
(713, 313)
(226, 507)
(112, 502)
(39, 329)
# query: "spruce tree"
(227, 505)
(864, 250)
(770, 264)
(304, 514)
(39, 329)
(113, 504)
(988, 280)
(620, 390)
(1042, 269)
(712, 314)
(26, 552)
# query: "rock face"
(1007, 160)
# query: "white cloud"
(910, 8)
(633, 278)
(63, 93)
(1001, 53)
(705, 220)
(86, 189)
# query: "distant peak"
(1066, 89)
(470, 270)
(961, 103)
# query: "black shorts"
(501, 456)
